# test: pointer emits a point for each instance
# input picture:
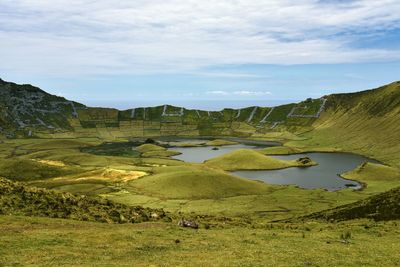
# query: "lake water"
(200, 154)
(325, 175)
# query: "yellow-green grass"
(376, 177)
(288, 150)
(366, 123)
(380, 207)
(57, 144)
(160, 154)
(220, 142)
(195, 182)
(99, 176)
(89, 189)
(19, 169)
(149, 147)
(280, 150)
(246, 159)
(57, 242)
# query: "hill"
(381, 207)
(246, 159)
(187, 182)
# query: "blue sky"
(200, 54)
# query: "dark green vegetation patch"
(125, 149)
(382, 207)
(18, 199)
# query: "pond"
(325, 175)
(200, 154)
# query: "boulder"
(188, 223)
(304, 160)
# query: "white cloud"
(252, 93)
(239, 93)
(217, 93)
(136, 36)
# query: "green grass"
(246, 159)
(376, 177)
(280, 150)
(19, 199)
(191, 182)
(27, 170)
(149, 148)
(220, 142)
(383, 206)
(160, 154)
(46, 242)
(368, 172)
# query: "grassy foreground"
(56, 242)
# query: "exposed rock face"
(188, 223)
(150, 141)
(28, 107)
(304, 160)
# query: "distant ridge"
(27, 109)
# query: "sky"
(199, 53)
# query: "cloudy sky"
(199, 53)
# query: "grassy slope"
(18, 199)
(220, 142)
(366, 122)
(376, 177)
(383, 206)
(28, 170)
(149, 147)
(160, 154)
(195, 183)
(246, 159)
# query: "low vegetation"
(221, 142)
(145, 148)
(46, 242)
(383, 206)
(18, 199)
(191, 182)
(246, 159)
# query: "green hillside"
(187, 182)
(366, 123)
(245, 159)
(384, 206)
